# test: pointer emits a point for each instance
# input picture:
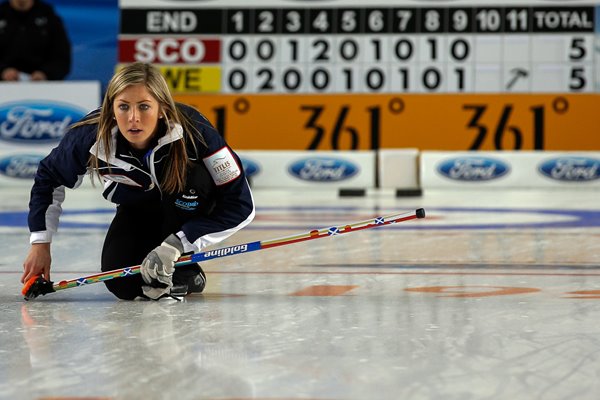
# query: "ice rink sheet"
(495, 295)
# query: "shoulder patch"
(222, 166)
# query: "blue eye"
(123, 107)
(144, 107)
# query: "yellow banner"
(562, 122)
(184, 79)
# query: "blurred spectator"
(33, 42)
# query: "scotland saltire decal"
(251, 168)
(20, 166)
(473, 169)
(571, 169)
(36, 121)
(323, 169)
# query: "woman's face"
(137, 113)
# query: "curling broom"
(37, 285)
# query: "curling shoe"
(189, 280)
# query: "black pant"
(133, 233)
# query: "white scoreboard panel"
(281, 74)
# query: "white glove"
(158, 267)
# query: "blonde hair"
(141, 73)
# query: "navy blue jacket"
(216, 202)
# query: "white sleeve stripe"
(52, 216)
(55, 209)
(109, 196)
(214, 238)
(79, 181)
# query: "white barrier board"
(398, 168)
(520, 169)
(33, 119)
(296, 169)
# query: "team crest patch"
(222, 166)
(121, 179)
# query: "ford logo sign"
(322, 169)
(37, 121)
(22, 166)
(571, 169)
(473, 169)
(251, 168)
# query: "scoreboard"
(282, 74)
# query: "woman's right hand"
(37, 262)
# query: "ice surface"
(493, 296)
